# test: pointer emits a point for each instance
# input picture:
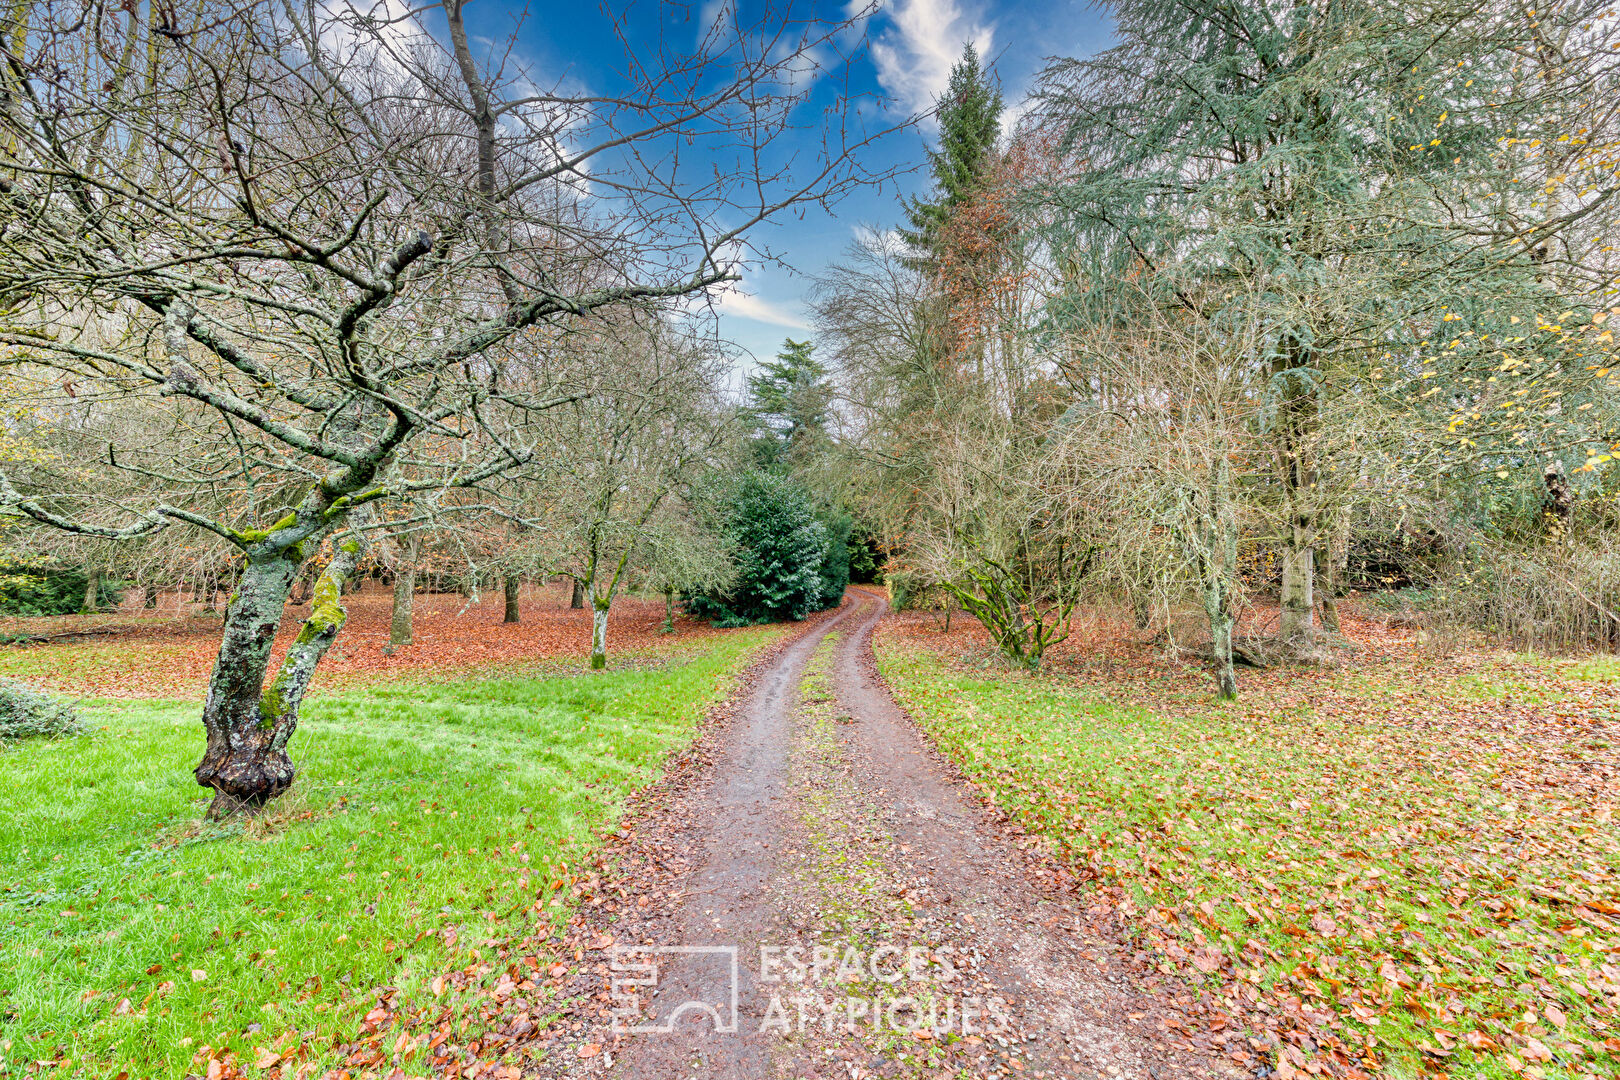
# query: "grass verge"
(1355, 888)
(425, 820)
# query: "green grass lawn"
(132, 933)
(1436, 883)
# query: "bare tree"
(644, 419)
(313, 240)
(1161, 448)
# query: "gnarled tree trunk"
(249, 723)
(92, 593)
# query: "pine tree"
(789, 399)
(969, 123)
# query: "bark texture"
(92, 593)
(248, 723)
(511, 586)
(576, 602)
(1298, 594)
(599, 627)
(399, 626)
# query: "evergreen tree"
(1365, 178)
(778, 547)
(789, 399)
(969, 123)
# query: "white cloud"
(915, 51)
(884, 242)
(1021, 107)
(741, 305)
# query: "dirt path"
(849, 911)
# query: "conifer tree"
(969, 122)
(789, 398)
(1376, 179)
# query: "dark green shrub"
(780, 548)
(835, 559)
(27, 713)
(865, 557)
(46, 586)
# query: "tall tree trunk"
(92, 593)
(510, 585)
(1219, 557)
(399, 626)
(249, 723)
(1298, 593)
(599, 627)
(1295, 428)
(577, 601)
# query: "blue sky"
(905, 58)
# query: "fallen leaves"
(136, 654)
(1367, 860)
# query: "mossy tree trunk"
(599, 628)
(399, 626)
(92, 593)
(249, 723)
(511, 586)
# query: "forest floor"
(168, 653)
